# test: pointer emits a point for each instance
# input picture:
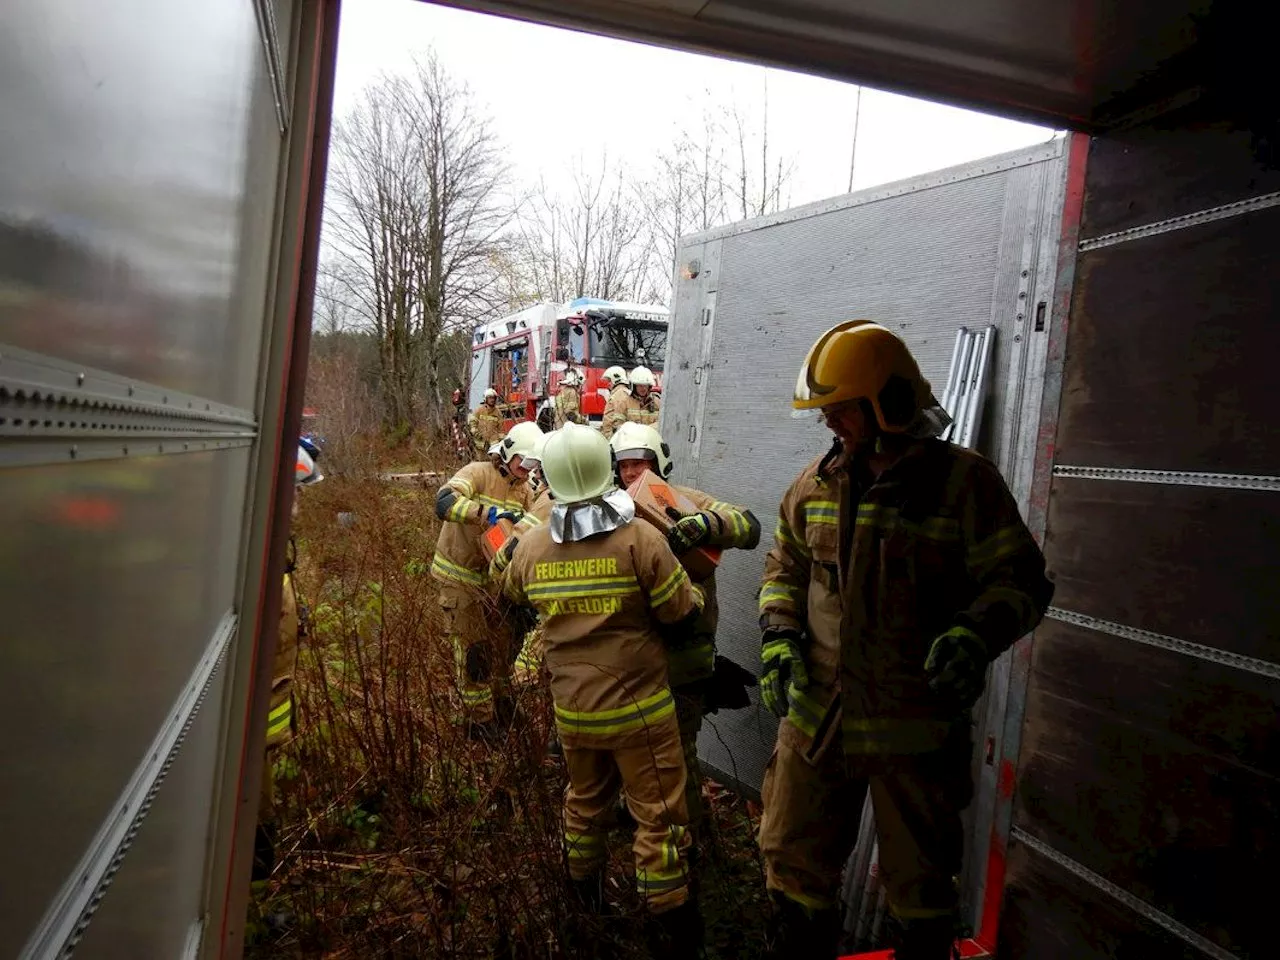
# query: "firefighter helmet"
(490, 394)
(861, 360)
(639, 441)
(614, 376)
(577, 463)
(570, 379)
(642, 377)
(521, 440)
(304, 471)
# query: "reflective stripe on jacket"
(872, 571)
(602, 602)
(280, 714)
(617, 410)
(466, 500)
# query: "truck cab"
(524, 355)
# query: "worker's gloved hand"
(502, 559)
(689, 531)
(494, 514)
(784, 670)
(957, 667)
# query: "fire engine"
(524, 355)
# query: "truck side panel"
(141, 352)
(1147, 791)
(970, 246)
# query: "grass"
(398, 836)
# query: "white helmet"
(643, 377)
(491, 394)
(521, 440)
(639, 441)
(614, 376)
(571, 378)
(577, 464)
(304, 470)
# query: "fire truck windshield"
(628, 343)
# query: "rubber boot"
(797, 934)
(677, 934)
(932, 939)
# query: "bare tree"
(685, 195)
(417, 213)
(589, 241)
(757, 185)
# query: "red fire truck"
(524, 355)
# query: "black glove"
(957, 667)
(726, 689)
(690, 531)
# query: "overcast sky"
(555, 95)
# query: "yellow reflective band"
(667, 589)
(448, 570)
(782, 534)
(775, 591)
(1001, 545)
(881, 735)
(822, 511)
(463, 487)
(458, 513)
(584, 846)
(656, 881)
(888, 520)
(472, 696)
(585, 587)
(810, 904)
(619, 720)
(280, 718)
(803, 711)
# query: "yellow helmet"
(861, 360)
(577, 463)
(521, 440)
(639, 441)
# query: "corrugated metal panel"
(925, 263)
(1150, 757)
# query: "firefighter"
(568, 400)
(645, 403)
(281, 718)
(485, 426)
(620, 400)
(697, 674)
(476, 498)
(900, 569)
(608, 590)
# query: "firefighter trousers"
(481, 649)
(689, 706)
(810, 824)
(649, 771)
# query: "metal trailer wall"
(1147, 807)
(144, 344)
(971, 245)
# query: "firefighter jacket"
(463, 503)
(568, 406)
(280, 712)
(485, 424)
(730, 527)
(602, 602)
(617, 410)
(871, 571)
(542, 504)
(645, 410)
